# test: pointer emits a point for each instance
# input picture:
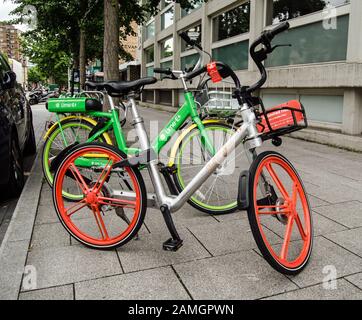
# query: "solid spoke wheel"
(279, 213)
(103, 218)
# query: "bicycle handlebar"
(167, 72)
(190, 42)
(259, 56)
(278, 29)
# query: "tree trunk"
(82, 59)
(111, 40)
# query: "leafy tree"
(46, 52)
(78, 26)
(36, 76)
(118, 18)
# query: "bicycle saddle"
(99, 86)
(124, 87)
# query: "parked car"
(17, 136)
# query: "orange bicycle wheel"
(104, 218)
(279, 213)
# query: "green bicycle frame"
(188, 110)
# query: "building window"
(165, 97)
(232, 23)
(312, 43)
(150, 54)
(189, 61)
(150, 30)
(149, 71)
(167, 48)
(282, 10)
(195, 34)
(236, 55)
(185, 12)
(167, 18)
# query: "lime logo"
(163, 137)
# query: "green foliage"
(36, 76)
(64, 18)
(47, 53)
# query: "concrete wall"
(342, 76)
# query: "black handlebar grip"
(196, 73)
(186, 38)
(162, 71)
(278, 29)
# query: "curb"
(15, 245)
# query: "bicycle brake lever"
(280, 45)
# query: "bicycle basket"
(73, 105)
(218, 100)
(283, 119)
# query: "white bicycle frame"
(247, 134)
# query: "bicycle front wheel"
(279, 213)
(219, 193)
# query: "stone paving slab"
(235, 276)
(356, 279)
(46, 214)
(185, 217)
(350, 240)
(326, 253)
(147, 252)
(343, 291)
(228, 237)
(12, 262)
(315, 202)
(60, 266)
(56, 293)
(348, 214)
(50, 235)
(159, 284)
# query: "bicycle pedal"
(173, 245)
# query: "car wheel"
(16, 170)
(30, 145)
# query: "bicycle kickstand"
(175, 243)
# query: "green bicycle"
(193, 148)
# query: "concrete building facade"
(323, 68)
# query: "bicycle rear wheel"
(279, 213)
(68, 132)
(104, 218)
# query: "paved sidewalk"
(219, 259)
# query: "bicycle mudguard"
(90, 120)
(185, 132)
(54, 165)
(243, 192)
